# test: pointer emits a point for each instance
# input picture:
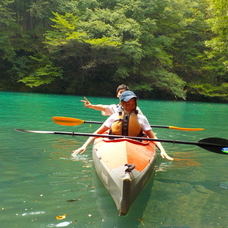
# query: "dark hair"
(120, 87)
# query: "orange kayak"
(124, 167)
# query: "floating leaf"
(141, 220)
(60, 217)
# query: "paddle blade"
(67, 121)
(217, 145)
(185, 129)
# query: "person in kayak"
(128, 100)
(107, 110)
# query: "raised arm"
(98, 107)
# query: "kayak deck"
(124, 166)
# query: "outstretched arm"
(151, 134)
(98, 107)
(82, 149)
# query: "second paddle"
(69, 121)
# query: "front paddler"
(128, 122)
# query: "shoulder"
(110, 109)
(144, 122)
(139, 110)
(141, 116)
(110, 120)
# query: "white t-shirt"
(113, 108)
(141, 118)
(110, 109)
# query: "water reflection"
(108, 211)
(183, 159)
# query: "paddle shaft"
(69, 121)
(99, 122)
(205, 145)
(132, 137)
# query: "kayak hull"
(124, 166)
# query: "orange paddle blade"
(185, 129)
(67, 121)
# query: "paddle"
(69, 121)
(216, 145)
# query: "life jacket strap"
(125, 125)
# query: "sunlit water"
(40, 180)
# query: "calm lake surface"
(40, 180)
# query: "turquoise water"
(40, 180)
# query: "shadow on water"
(109, 213)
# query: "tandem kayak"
(124, 166)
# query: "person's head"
(120, 89)
(128, 101)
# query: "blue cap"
(127, 95)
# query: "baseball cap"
(127, 95)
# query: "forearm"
(82, 149)
(153, 136)
(159, 145)
(97, 107)
(88, 141)
(100, 130)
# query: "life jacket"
(127, 125)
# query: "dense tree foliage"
(160, 48)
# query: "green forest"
(161, 49)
